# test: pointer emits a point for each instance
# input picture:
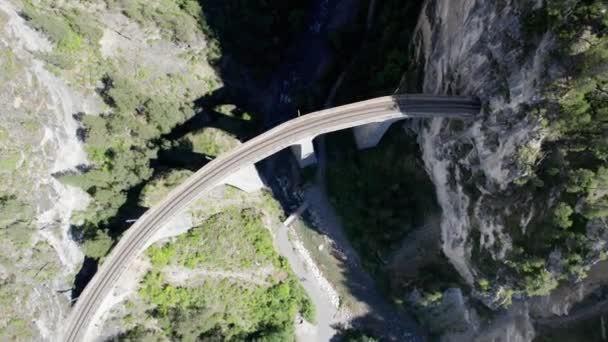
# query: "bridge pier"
(369, 135)
(247, 179)
(304, 152)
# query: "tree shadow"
(82, 278)
(180, 157)
(252, 35)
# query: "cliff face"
(476, 48)
(46, 87)
(486, 171)
(37, 138)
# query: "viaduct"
(369, 119)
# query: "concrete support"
(304, 151)
(369, 135)
(247, 179)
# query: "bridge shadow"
(217, 109)
(253, 34)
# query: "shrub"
(99, 246)
(159, 187)
(16, 221)
(540, 284)
(562, 213)
(353, 335)
(211, 141)
(223, 308)
(178, 20)
(56, 28)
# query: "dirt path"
(183, 276)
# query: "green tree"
(159, 187)
(16, 221)
(561, 215)
(99, 246)
(540, 284)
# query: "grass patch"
(159, 188)
(234, 239)
(210, 141)
(9, 161)
(177, 20)
(224, 309)
(9, 65)
(74, 33)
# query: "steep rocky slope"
(506, 181)
(52, 59)
(470, 47)
(38, 138)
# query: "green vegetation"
(159, 187)
(570, 171)
(66, 31)
(352, 335)
(15, 222)
(223, 309)
(232, 240)
(143, 101)
(227, 309)
(99, 245)
(25, 262)
(178, 20)
(210, 141)
(121, 144)
(70, 30)
(380, 201)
